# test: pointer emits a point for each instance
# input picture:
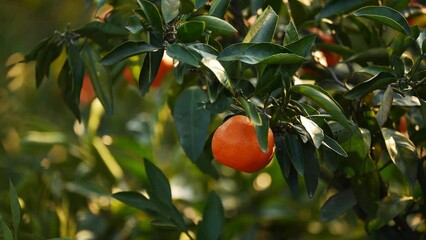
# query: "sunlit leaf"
(219, 71)
(384, 110)
(337, 205)
(316, 133)
(264, 28)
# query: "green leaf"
(204, 161)
(170, 9)
(384, 110)
(269, 80)
(379, 54)
(211, 227)
(352, 141)
(283, 58)
(314, 131)
(337, 7)
(218, 8)
(134, 24)
(322, 99)
(186, 6)
(252, 53)
(126, 50)
(15, 207)
(216, 25)
(183, 54)
(402, 153)
(190, 31)
(151, 14)
(204, 50)
(263, 29)
(7, 234)
(76, 65)
(366, 187)
(378, 81)
(159, 185)
(294, 151)
(219, 71)
(312, 169)
(389, 207)
(149, 71)
(164, 224)
(293, 181)
(250, 110)
(337, 204)
(69, 90)
(262, 132)
(136, 200)
(303, 46)
(99, 76)
(93, 29)
(282, 155)
(334, 146)
(32, 55)
(423, 109)
(200, 3)
(291, 34)
(45, 57)
(385, 15)
(191, 121)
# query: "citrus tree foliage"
(340, 83)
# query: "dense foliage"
(340, 83)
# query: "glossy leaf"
(389, 207)
(378, 81)
(204, 161)
(149, 71)
(15, 207)
(263, 29)
(337, 205)
(303, 46)
(151, 14)
(250, 53)
(291, 34)
(191, 122)
(126, 50)
(183, 54)
(204, 50)
(334, 146)
(216, 25)
(94, 29)
(99, 76)
(136, 200)
(164, 224)
(170, 9)
(262, 133)
(336, 7)
(7, 234)
(134, 25)
(269, 80)
(385, 107)
(322, 99)
(218, 8)
(402, 153)
(385, 15)
(190, 31)
(294, 150)
(251, 111)
(282, 155)
(210, 228)
(314, 131)
(219, 71)
(159, 184)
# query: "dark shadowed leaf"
(378, 81)
(99, 76)
(190, 31)
(45, 56)
(191, 121)
(312, 169)
(134, 24)
(366, 187)
(334, 146)
(337, 204)
(322, 99)
(204, 161)
(378, 54)
(151, 14)
(352, 141)
(423, 109)
(136, 200)
(210, 228)
(294, 150)
(263, 28)
(77, 71)
(216, 25)
(387, 16)
(303, 46)
(164, 224)
(170, 9)
(66, 84)
(14, 207)
(186, 6)
(291, 34)
(200, 3)
(159, 185)
(402, 152)
(126, 50)
(269, 80)
(314, 131)
(150, 67)
(385, 107)
(293, 181)
(282, 156)
(337, 7)
(7, 234)
(218, 8)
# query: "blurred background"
(65, 171)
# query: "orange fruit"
(235, 145)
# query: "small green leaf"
(322, 99)
(7, 234)
(99, 76)
(149, 71)
(402, 153)
(384, 110)
(126, 50)
(211, 227)
(264, 28)
(190, 31)
(151, 14)
(159, 185)
(294, 151)
(337, 204)
(385, 15)
(216, 25)
(183, 54)
(219, 71)
(334, 146)
(314, 131)
(378, 81)
(136, 200)
(170, 9)
(15, 207)
(218, 8)
(312, 169)
(191, 121)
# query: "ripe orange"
(235, 145)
